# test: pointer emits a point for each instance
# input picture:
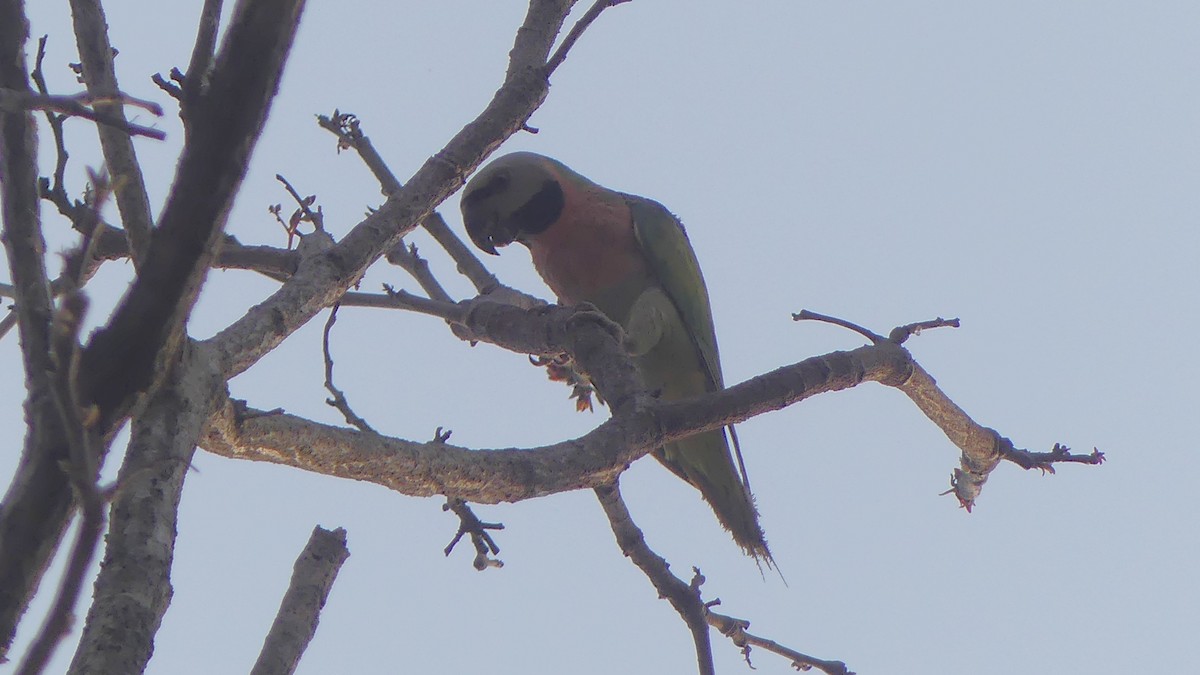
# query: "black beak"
(486, 229)
(482, 223)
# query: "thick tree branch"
(100, 77)
(296, 623)
(141, 340)
(34, 511)
(637, 427)
(24, 244)
(133, 590)
(593, 460)
(81, 470)
(136, 350)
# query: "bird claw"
(586, 311)
(561, 368)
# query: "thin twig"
(348, 129)
(55, 121)
(170, 88)
(735, 630)
(58, 621)
(1045, 461)
(407, 259)
(450, 311)
(196, 80)
(581, 25)
(77, 106)
(80, 264)
(470, 524)
(806, 315)
(900, 334)
(339, 398)
(316, 218)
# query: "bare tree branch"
(96, 57)
(735, 630)
(349, 132)
(469, 523)
(982, 448)
(296, 623)
(339, 397)
(121, 358)
(407, 258)
(586, 20)
(145, 332)
(76, 106)
(142, 339)
(489, 476)
(683, 597)
(38, 494)
(112, 393)
(686, 598)
(322, 279)
(133, 590)
(637, 427)
(144, 353)
(1045, 461)
(271, 261)
(82, 472)
(202, 53)
(55, 121)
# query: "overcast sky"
(1029, 167)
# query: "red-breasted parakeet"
(630, 258)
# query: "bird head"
(515, 197)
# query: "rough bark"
(299, 612)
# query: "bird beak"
(481, 234)
(487, 230)
(485, 226)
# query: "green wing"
(703, 460)
(673, 262)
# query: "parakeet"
(630, 258)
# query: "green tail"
(706, 463)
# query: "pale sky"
(1029, 167)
